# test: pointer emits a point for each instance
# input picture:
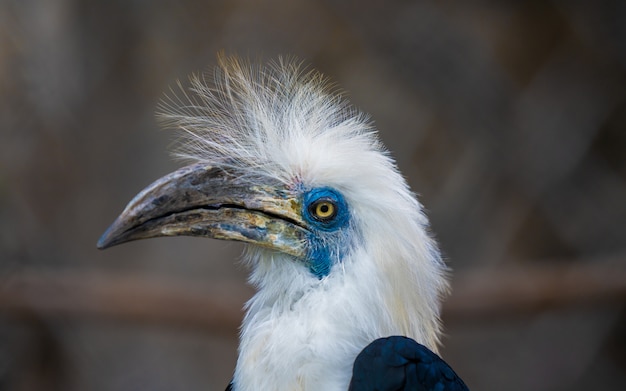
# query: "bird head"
(282, 162)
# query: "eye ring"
(323, 210)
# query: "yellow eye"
(323, 210)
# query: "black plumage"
(401, 364)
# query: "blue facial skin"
(328, 239)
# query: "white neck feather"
(302, 333)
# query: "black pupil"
(324, 208)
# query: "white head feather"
(302, 332)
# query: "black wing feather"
(401, 364)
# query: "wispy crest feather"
(254, 117)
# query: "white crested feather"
(300, 332)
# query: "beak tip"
(103, 242)
(108, 238)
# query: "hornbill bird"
(348, 279)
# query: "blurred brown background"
(508, 118)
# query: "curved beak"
(209, 201)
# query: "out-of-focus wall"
(508, 118)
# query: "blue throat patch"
(328, 229)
